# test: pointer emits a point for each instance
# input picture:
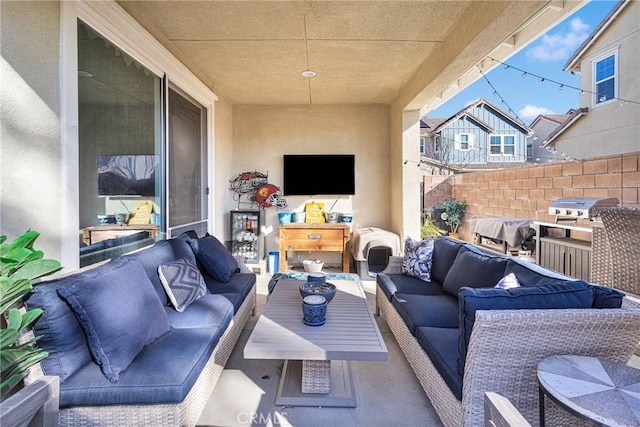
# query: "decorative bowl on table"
(325, 289)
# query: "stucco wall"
(609, 128)
(30, 152)
(223, 168)
(263, 134)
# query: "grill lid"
(580, 207)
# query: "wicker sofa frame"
(505, 349)
(185, 413)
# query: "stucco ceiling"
(364, 52)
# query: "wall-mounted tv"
(318, 174)
(127, 175)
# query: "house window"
(423, 145)
(605, 85)
(437, 144)
(464, 141)
(502, 145)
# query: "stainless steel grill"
(579, 207)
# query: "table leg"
(541, 405)
(316, 376)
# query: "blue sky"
(545, 57)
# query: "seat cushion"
(239, 283)
(417, 258)
(445, 251)
(182, 354)
(209, 311)
(183, 282)
(575, 294)
(441, 345)
(474, 270)
(426, 310)
(392, 283)
(119, 312)
(214, 258)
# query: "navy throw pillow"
(474, 270)
(214, 258)
(444, 254)
(576, 294)
(120, 313)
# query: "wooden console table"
(314, 237)
(98, 233)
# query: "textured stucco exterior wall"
(31, 182)
(262, 134)
(609, 128)
(223, 167)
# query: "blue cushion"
(182, 282)
(445, 251)
(392, 283)
(61, 334)
(119, 312)
(181, 354)
(604, 297)
(162, 252)
(529, 274)
(426, 310)
(573, 294)
(441, 345)
(209, 311)
(474, 270)
(417, 258)
(239, 283)
(214, 258)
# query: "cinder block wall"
(528, 191)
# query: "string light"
(502, 101)
(560, 85)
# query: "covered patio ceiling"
(412, 53)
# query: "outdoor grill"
(579, 207)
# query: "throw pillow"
(417, 259)
(215, 258)
(509, 281)
(474, 270)
(183, 283)
(576, 294)
(120, 313)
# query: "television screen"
(318, 174)
(127, 175)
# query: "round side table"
(591, 388)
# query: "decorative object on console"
(122, 218)
(325, 289)
(312, 265)
(315, 212)
(317, 276)
(332, 217)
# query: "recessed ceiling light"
(308, 74)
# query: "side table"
(594, 389)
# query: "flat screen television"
(318, 174)
(127, 175)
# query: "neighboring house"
(480, 136)
(542, 127)
(608, 121)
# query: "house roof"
(572, 117)
(430, 123)
(556, 118)
(466, 112)
(364, 52)
(573, 63)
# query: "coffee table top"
(600, 390)
(350, 332)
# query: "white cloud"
(530, 112)
(561, 44)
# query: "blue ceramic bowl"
(327, 290)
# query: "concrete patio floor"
(387, 393)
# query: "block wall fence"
(526, 192)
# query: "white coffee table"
(316, 370)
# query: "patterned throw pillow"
(418, 256)
(508, 282)
(183, 283)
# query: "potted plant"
(20, 263)
(429, 230)
(452, 213)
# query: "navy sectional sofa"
(462, 336)
(124, 354)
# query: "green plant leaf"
(7, 337)
(11, 381)
(38, 268)
(14, 355)
(15, 319)
(14, 293)
(25, 363)
(3, 238)
(29, 317)
(25, 240)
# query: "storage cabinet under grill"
(568, 256)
